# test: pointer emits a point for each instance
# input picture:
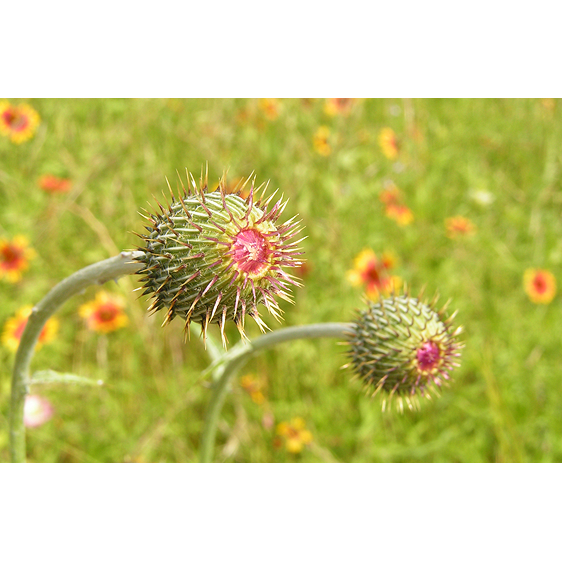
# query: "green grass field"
(496, 162)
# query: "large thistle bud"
(215, 256)
(403, 348)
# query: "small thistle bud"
(215, 256)
(401, 347)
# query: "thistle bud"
(403, 348)
(215, 256)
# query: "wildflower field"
(457, 197)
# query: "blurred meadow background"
(462, 197)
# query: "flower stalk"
(232, 361)
(97, 273)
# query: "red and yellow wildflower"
(459, 226)
(15, 256)
(270, 107)
(540, 285)
(293, 435)
(338, 106)
(18, 122)
(374, 274)
(401, 214)
(321, 141)
(54, 184)
(14, 327)
(389, 143)
(104, 314)
(253, 387)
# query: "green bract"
(402, 348)
(215, 256)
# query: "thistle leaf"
(49, 376)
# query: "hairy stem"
(232, 361)
(97, 273)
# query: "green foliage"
(495, 162)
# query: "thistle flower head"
(402, 348)
(215, 256)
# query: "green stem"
(97, 273)
(232, 361)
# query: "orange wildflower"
(54, 184)
(338, 106)
(15, 255)
(303, 270)
(270, 108)
(374, 274)
(399, 213)
(391, 195)
(540, 285)
(459, 226)
(388, 143)
(238, 184)
(14, 327)
(105, 313)
(253, 388)
(320, 141)
(243, 116)
(549, 104)
(294, 434)
(18, 122)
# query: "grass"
(505, 402)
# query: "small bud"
(215, 256)
(402, 348)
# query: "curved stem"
(232, 362)
(97, 273)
